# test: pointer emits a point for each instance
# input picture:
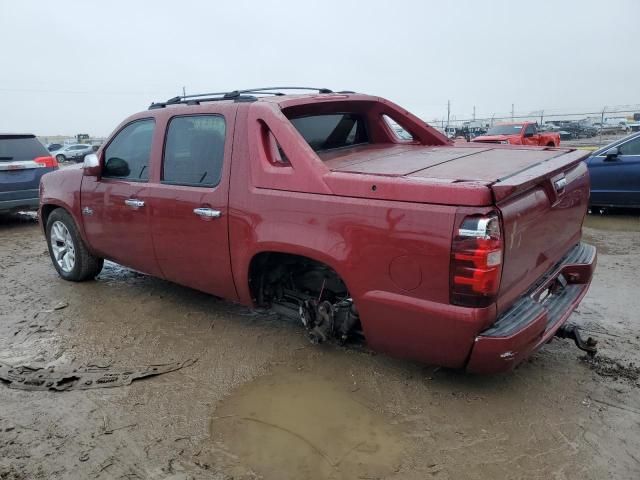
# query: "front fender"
(61, 189)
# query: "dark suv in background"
(23, 160)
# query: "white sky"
(70, 67)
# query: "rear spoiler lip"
(505, 187)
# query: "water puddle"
(290, 426)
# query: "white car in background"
(75, 152)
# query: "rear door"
(189, 213)
(615, 180)
(115, 212)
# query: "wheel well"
(551, 144)
(45, 211)
(272, 272)
(308, 290)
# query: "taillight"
(476, 261)
(48, 162)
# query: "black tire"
(61, 158)
(86, 266)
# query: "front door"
(531, 136)
(615, 180)
(188, 207)
(114, 205)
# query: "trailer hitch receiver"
(572, 332)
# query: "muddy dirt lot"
(261, 402)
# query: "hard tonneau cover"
(542, 194)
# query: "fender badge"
(87, 211)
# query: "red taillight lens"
(48, 162)
(476, 261)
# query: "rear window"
(16, 148)
(329, 131)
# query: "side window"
(531, 130)
(194, 150)
(127, 156)
(632, 147)
(397, 129)
(332, 130)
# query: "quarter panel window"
(194, 150)
(334, 130)
(127, 156)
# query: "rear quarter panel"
(393, 257)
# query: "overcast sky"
(70, 67)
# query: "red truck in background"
(314, 206)
(523, 133)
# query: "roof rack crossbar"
(232, 95)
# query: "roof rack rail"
(236, 95)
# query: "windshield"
(512, 129)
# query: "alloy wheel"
(62, 246)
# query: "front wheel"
(68, 252)
(60, 158)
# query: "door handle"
(207, 212)
(134, 203)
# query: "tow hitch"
(572, 332)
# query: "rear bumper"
(536, 316)
(16, 200)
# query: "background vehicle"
(75, 152)
(524, 133)
(313, 206)
(615, 173)
(52, 147)
(23, 160)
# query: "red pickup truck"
(524, 133)
(466, 256)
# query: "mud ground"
(261, 402)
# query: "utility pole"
(602, 125)
(541, 116)
(474, 113)
(448, 111)
(184, 91)
(512, 117)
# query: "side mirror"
(91, 165)
(117, 167)
(612, 153)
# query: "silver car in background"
(75, 152)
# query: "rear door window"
(194, 150)
(127, 156)
(20, 147)
(329, 131)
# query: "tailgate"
(542, 209)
